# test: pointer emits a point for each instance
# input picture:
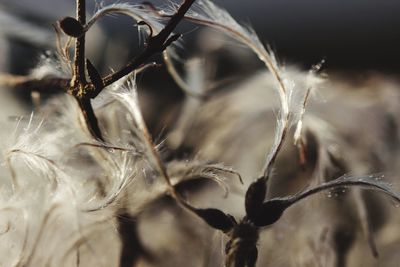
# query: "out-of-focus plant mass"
(174, 153)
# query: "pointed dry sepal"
(216, 219)
(273, 209)
(95, 78)
(255, 196)
(270, 212)
(71, 27)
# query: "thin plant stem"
(79, 57)
(155, 45)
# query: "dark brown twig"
(84, 91)
(156, 44)
(28, 83)
(79, 58)
(79, 87)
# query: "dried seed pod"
(71, 27)
(216, 219)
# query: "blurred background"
(353, 35)
(358, 41)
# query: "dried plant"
(85, 170)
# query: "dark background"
(363, 34)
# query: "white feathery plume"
(135, 11)
(196, 84)
(128, 97)
(115, 163)
(55, 225)
(312, 81)
(299, 124)
(139, 13)
(181, 171)
(51, 66)
(121, 176)
(207, 13)
(31, 149)
(14, 232)
(65, 126)
(168, 56)
(51, 221)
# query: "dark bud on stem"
(216, 219)
(71, 27)
(255, 196)
(270, 212)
